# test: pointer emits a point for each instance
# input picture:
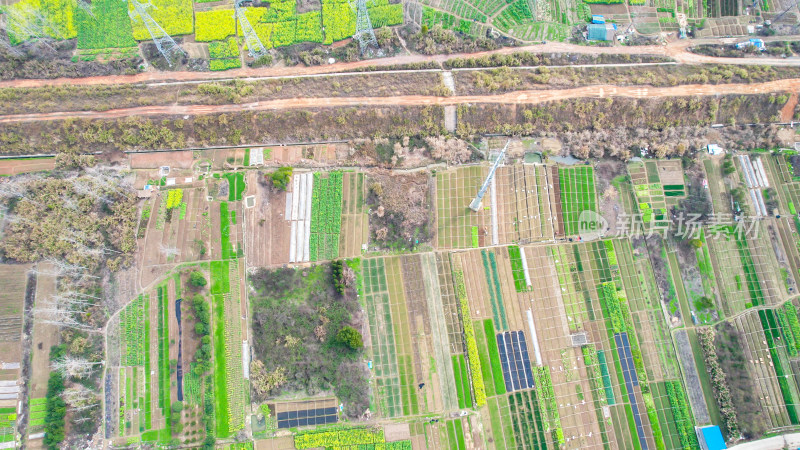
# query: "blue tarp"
(713, 437)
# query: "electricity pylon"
(254, 45)
(87, 8)
(164, 42)
(476, 202)
(365, 35)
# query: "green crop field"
(623, 341)
(577, 196)
(326, 216)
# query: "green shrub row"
(473, 358)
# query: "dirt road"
(516, 97)
(677, 50)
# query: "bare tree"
(74, 367)
(79, 397)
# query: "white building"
(714, 149)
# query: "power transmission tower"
(86, 7)
(254, 45)
(476, 202)
(26, 26)
(365, 35)
(164, 42)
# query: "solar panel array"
(304, 417)
(514, 359)
(631, 380)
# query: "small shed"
(601, 31)
(752, 42)
(710, 438)
(597, 18)
(714, 149)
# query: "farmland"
(544, 334)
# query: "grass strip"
(494, 357)
(517, 269)
(771, 333)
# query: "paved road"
(774, 443)
(516, 97)
(677, 50)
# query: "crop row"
(191, 386)
(233, 352)
(174, 198)
(614, 304)
(750, 276)
(527, 419)
(611, 255)
(225, 232)
(547, 402)
(592, 363)
(132, 331)
(326, 216)
(790, 327)
(473, 358)
(517, 269)
(517, 13)
(684, 422)
(396, 445)
(163, 352)
(772, 334)
(652, 415)
(223, 49)
(495, 295)
(339, 437)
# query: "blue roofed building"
(752, 42)
(601, 31)
(597, 18)
(710, 438)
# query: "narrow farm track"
(677, 50)
(516, 97)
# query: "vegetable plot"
(58, 15)
(224, 55)
(214, 25)
(174, 16)
(109, 28)
(326, 216)
(339, 438)
(473, 357)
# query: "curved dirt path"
(516, 97)
(677, 50)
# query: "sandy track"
(516, 97)
(677, 50)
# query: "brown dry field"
(555, 201)
(519, 190)
(577, 418)
(355, 222)
(257, 223)
(179, 160)
(279, 228)
(670, 172)
(420, 327)
(761, 371)
(177, 234)
(18, 166)
(44, 336)
(278, 443)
